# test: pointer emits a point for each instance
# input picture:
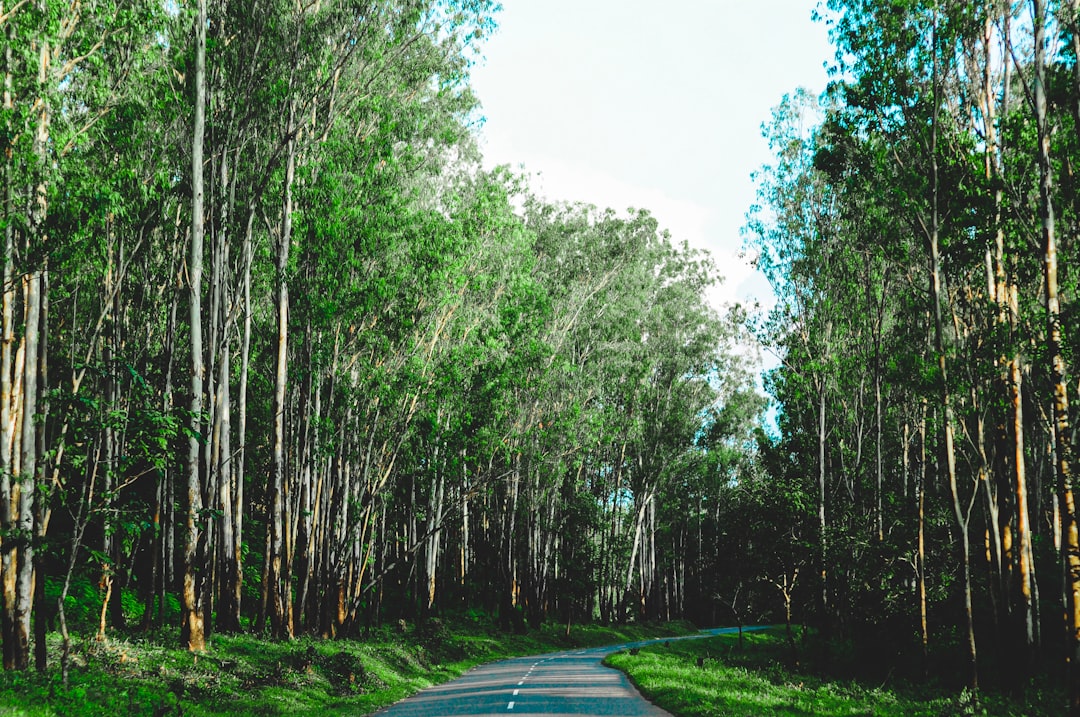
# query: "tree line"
(919, 227)
(276, 355)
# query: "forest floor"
(148, 674)
(717, 676)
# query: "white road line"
(510, 706)
(516, 692)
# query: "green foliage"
(476, 382)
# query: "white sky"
(657, 105)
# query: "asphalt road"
(561, 683)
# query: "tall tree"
(194, 567)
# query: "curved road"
(561, 683)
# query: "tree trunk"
(7, 372)
(924, 632)
(822, 537)
(280, 571)
(1023, 528)
(1063, 449)
(241, 429)
(25, 476)
(193, 635)
(946, 400)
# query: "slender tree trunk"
(465, 544)
(229, 604)
(1063, 449)
(433, 534)
(193, 635)
(241, 429)
(168, 489)
(823, 553)
(26, 475)
(924, 632)
(639, 526)
(946, 400)
(8, 551)
(1023, 530)
(280, 576)
(228, 609)
(879, 469)
(305, 451)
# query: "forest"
(919, 225)
(279, 356)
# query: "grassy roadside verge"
(241, 674)
(713, 676)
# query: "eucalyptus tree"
(193, 626)
(582, 263)
(796, 236)
(918, 111)
(266, 228)
(988, 68)
(632, 342)
(1063, 444)
(916, 201)
(344, 73)
(65, 70)
(708, 571)
(457, 276)
(681, 337)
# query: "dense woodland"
(277, 355)
(920, 226)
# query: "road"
(561, 683)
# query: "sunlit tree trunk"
(24, 477)
(8, 392)
(1063, 449)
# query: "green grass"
(242, 674)
(754, 680)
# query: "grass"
(242, 674)
(714, 676)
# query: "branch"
(75, 61)
(8, 15)
(70, 145)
